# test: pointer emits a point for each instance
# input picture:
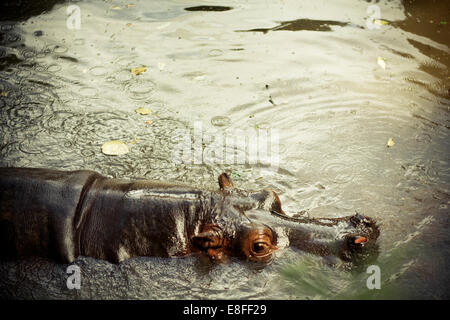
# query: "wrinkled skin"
(62, 215)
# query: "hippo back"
(38, 212)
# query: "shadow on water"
(21, 10)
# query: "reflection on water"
(64, 92)
(208, 8)
(303, 24)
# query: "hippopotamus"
(64, 214)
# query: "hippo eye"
(260, 248)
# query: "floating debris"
(114, 148)
(390, 143)
(380, 22)
(139, 70)
(116, 8)
(148, 122)
(143, 111)
(271, 100)
(381, 62)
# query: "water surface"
(309, 69)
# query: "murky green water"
(333, 88)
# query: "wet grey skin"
(62, 214)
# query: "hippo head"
(227, 231)
(249, 225)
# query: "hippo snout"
(360, 241)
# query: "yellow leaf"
(130, 5)
(114, 148)
(116, 8)
(138, 71)
(128, 24)
(143, 111)
(380, 22)
(148, 121)
(390, 142)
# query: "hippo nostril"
(360, 240)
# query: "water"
(310, 70)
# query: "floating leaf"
(380, 22)
(129, 24)
(116, 8)
(148, 121)
(130, 5)
(143, 111)
(139, 70)
(381, 62)
(114, 148)
(390, 143)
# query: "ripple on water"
(54, 68)
(60, 121)
(24, 115)
(7, 27)
(41, 144)
(221, 121)
(121, 76)
(28, 54)
(88, 92)
(140, 89)
(79, 42)
(13, 37)
(55, 48)
(99, 71)
(338, 172)
(125, 61)
(215, 52)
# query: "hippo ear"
(276, 204)
(268, 200)
(225, 181)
